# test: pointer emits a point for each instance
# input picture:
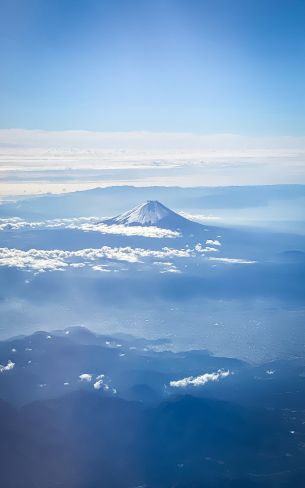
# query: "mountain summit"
(151, 213)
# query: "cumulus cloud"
(199, 380)
(98, 384)
(232, 260)
(213, 242)
(201, 249)
(56, 259)
(33, 259)
(102, 384)
(270, 372)
(85, 377)
(8, 367)
(100, 259)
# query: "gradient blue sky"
(174, 65)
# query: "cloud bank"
(39, 148)
(57, 260)
(36, 161)
(88, 224)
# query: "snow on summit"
(151, 213)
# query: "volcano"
(153, 213)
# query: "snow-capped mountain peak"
(151, 213)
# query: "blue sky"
(206, 66)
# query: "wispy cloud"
(232, 260)
(199, 217)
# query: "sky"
(171, 65)
(196, 67)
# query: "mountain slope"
(84, 440)
(153, 213)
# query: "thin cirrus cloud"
(200, 380)
(232, 260)
(199, 217)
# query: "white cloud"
(213, 242)
(86, 377)
(173, 269)
(98, 259)
(199, 380)
(199, 159)
(102, 268)
(8, 367)
(102, 384)
(88, 224)
(232, 260)
(270, 372)
(167, 267)
(199, 217)
(98, 385)
(199, 248)
(83, 149)
(56, 259)
(151, 231)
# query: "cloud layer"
(88, 224)
(56, 259)
(34, 161)
(38, 148)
